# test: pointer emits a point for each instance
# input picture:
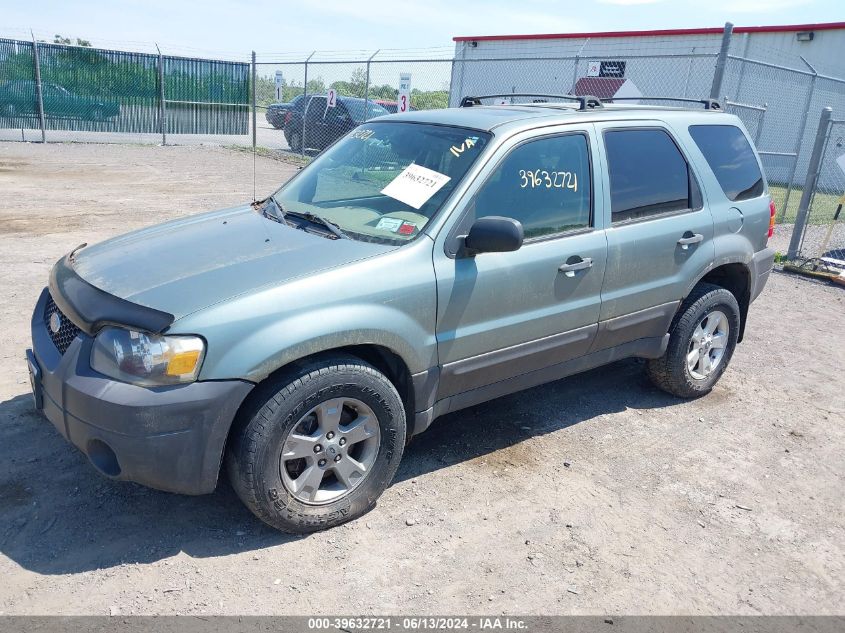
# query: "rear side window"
(648, 175)
(731, 158)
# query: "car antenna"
(254, 121)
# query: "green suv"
(424, 263)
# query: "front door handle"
(690, 238)
(580, 264)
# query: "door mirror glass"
(493, 234)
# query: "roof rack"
(709, 104)
(585, 102)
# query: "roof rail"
(709, 104)
(585, 102)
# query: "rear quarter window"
(731, 158)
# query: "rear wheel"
(702, 339)
(317, 447)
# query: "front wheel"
(702, 339)
(316, 448)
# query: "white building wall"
(680, 65)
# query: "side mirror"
(493, 234)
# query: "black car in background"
(316, 126)
(276, 111)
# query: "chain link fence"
(298, 104)
(316, 100)
(820, 226)
(67, 89)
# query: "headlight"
(147, 359)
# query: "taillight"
(771, 218)
(288, 115)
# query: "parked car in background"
(276, 112)
(316, 126)
(392, 106)
(423, 264)
(19, 98)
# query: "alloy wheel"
(330, 451)
(707, 345)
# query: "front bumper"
(170, 438)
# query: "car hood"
(189, 264)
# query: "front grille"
(67, 330)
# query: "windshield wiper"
(279, 215)
(318, 219)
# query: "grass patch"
(821, 212)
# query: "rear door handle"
(690, 238)
(570, 269)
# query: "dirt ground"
(595, 494)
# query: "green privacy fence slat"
(17, 85)
(208, 94)
(117, 91)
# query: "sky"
(232, 28)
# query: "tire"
(294, 140)
(292, 414)
(707, 307)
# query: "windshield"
(356, 109)
(384, 181)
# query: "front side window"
(731, 158)
(648, 175)
(315, 110)
(544, 184)
(383, 182)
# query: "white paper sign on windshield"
(415, 185)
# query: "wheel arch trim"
(733, 274)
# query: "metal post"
(162, 107)
(460, 93)
(798, 141)
(451, 80)
(760, 124)
(367, 86)
(689, 72)
(740, 82)
(577, 59)
(254, 103)
(721, 62)
(38, 93)
(809, 184)
(305, 83)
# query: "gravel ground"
(595, 494)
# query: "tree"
(66, 41)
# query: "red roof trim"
(825, 26)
